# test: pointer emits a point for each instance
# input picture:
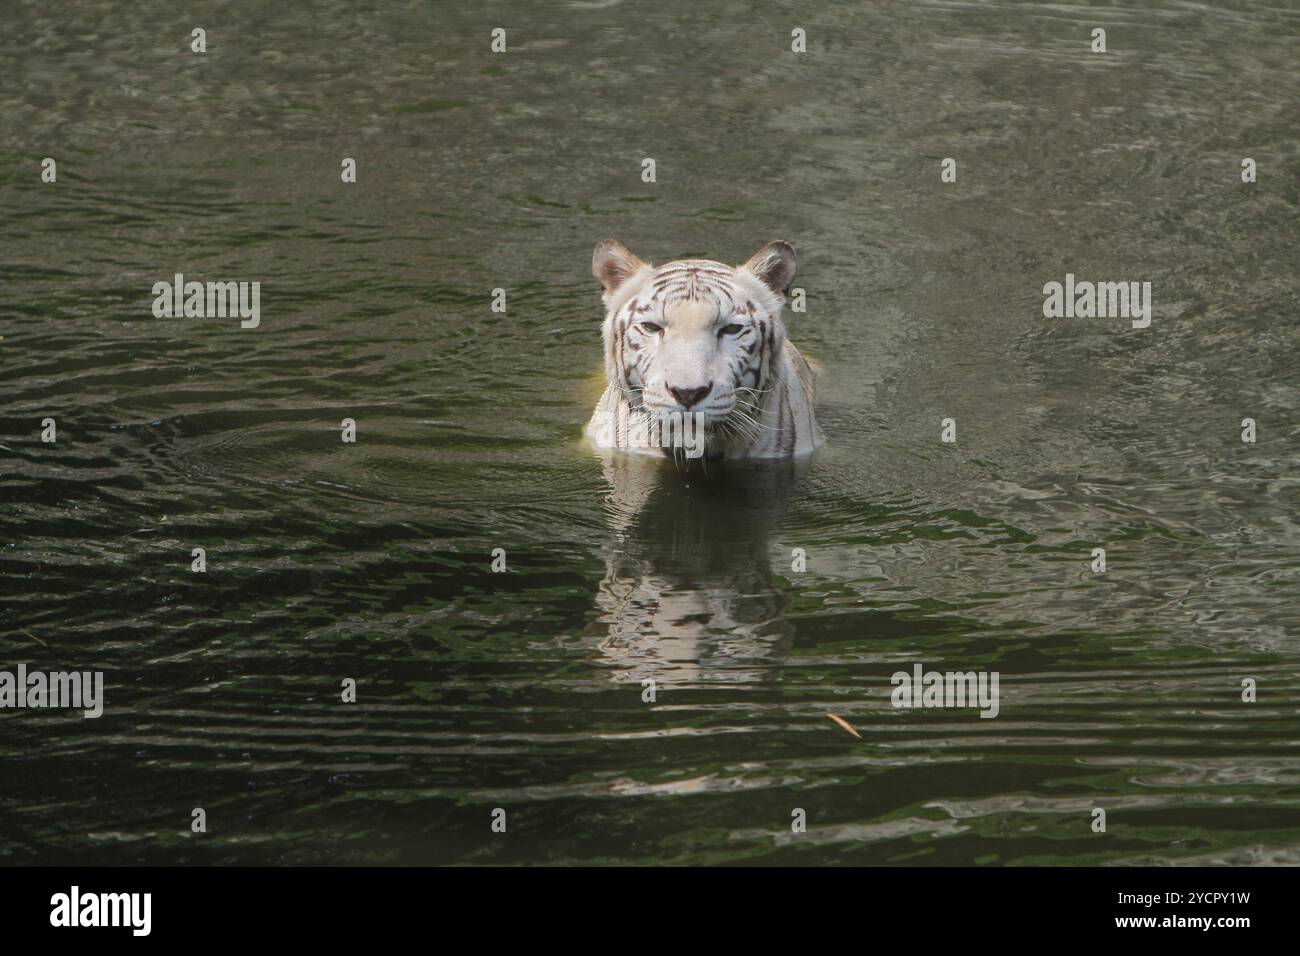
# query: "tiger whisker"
(750, 420)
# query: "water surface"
(523, 690)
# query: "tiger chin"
(697, 363)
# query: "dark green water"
(522, 690)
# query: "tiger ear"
(612, 263)
(773, 265)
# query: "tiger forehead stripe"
(673, 296)
(691, 280)
(692, 283)
(690, 273)
(704, 265)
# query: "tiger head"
(693, 336)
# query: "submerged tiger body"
(696, 355)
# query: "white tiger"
(701, 340)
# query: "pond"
(647, 676)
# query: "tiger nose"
(689, 396)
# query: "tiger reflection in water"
(689, 593)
